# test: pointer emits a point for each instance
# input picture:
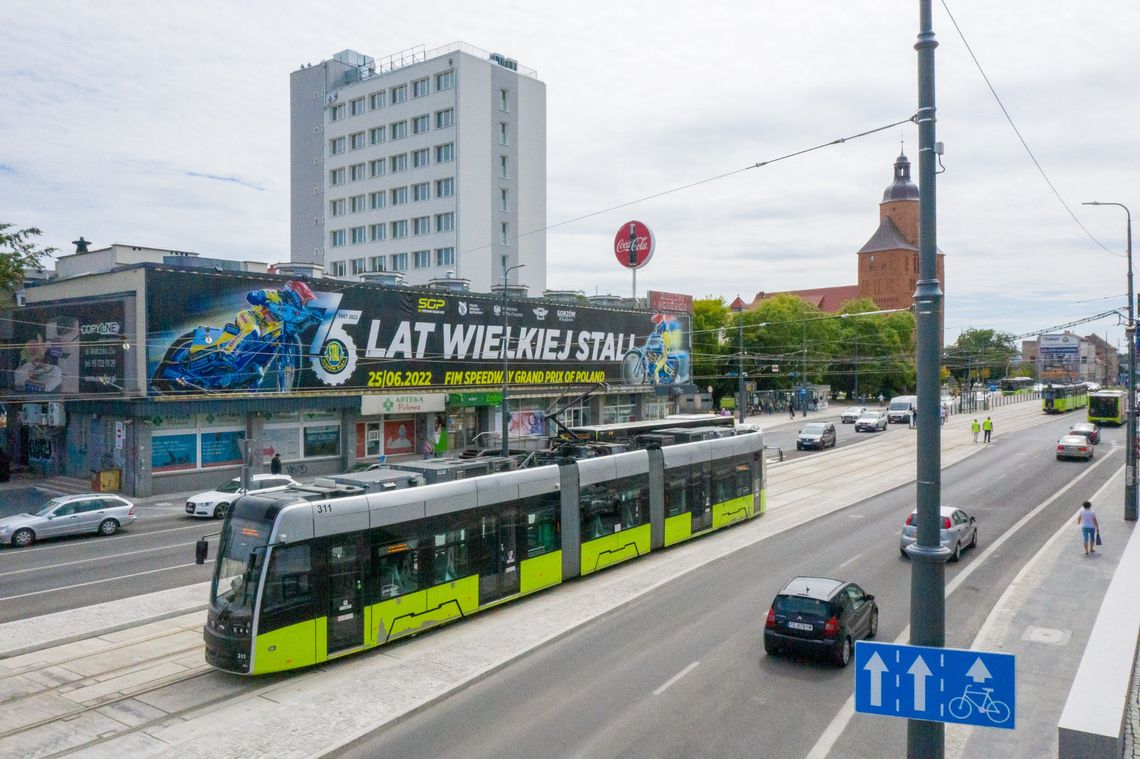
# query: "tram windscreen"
(234, 588)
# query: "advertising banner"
(1059, 357)
(67, 348)
(225, 333)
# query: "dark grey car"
(818, 615)
(816, 435)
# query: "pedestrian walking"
(975, 428)
(1090, 528)
(944, 412)
(913, 417)
(429, 449)
(275, 464)
(987, 428)
(792, 410)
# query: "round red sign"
(633, 245)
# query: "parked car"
(871, 421)
(1074, 447)
(850, 415)
(816, 435)
(1087, 429)
(958, 530)
(97, 513)
(818, 615)
(215, 503)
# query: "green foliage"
(19, 252)
(981, 354)
(710, 319)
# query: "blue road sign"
(935, 684)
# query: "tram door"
(498, 566)
(345, 602)
(700, 496)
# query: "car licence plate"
(800, 626)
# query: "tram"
(1107, 407)
(628, 431)
(1016, 385)
(303, 578)
(1057, 399)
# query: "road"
(682, 672)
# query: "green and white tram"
(300, 579)
(1058, 399)
(1016, 385)
(1108, 407)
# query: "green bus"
(1107, 407)
(1060, 399)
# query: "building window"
(376, 234)
(504, 200)
(376, 167)
(358, 266)
(336, 207)
(336, 176)
(356, 106)
(421, 259)
(445, 188)
(398, 162)
(376, 135)
(503, 133)
(421, 191)
(504, 102)
(421, 124)
(336, 113)
(399, 229)
(503, 167)
(356, 172)
(336, 146)
(444, 118)
(356, 235)
(376, 263)
(399, 261)
(444, 80)
(504, 233)
(398, 130)
(399, 196)
(399, 94)
(420, 158)
(336, 238)
(445, 222)
(339, 269)
(356, 141)
(421, 225)
(445, 256)
(376, 199)
(356, 204)
(376, 100)
(420, 87)
(445, 153)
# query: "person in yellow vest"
(975, 428)
(987, 428)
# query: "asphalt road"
(784, 436)
(682, 671)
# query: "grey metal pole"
(803, 379)
(1130, 505)
(928, 557)
(740, 365)
(506, 341)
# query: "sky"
(166, 124)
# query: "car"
(850, 415)
(213, 504)
(1088, 430)
(1074, 447)
(816, 435)
(958, 530)
(820, 616)
(871, 421)
(97, 513)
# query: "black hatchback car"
(818, 615)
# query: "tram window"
(289, 583)
(542, 526)
(397, 569)
(742, 467)
(449, 561)
(676, 492)
(699, 476)
(597, 510)
(723, 482)
(631, 498)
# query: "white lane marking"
(95, 582)
(95, 558)
(852, 559)
(668, 682)
(25, 551)
(822, 748)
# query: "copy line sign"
(936, 684)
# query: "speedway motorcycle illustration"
(657, 361)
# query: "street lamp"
(738, 306)
(1130, 333)
(506, 339)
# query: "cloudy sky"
(166, 124)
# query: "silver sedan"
(851, 414)
(95, 513)
(1074, 447)
(958, 530)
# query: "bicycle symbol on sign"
(980, 699)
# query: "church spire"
(901, 188)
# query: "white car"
(850, 415)
(213, 504)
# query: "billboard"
(66, 348)
(225, 333)
(1058, 357)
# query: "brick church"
(888, 262)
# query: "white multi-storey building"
(428, 163)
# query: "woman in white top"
(1086, 518)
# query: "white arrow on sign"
(876, 667)
(978, 672)
(920, 672)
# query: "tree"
(872, 354)
(979, 354)
(710, 318)
(18, 253)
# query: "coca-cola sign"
(633, 245)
